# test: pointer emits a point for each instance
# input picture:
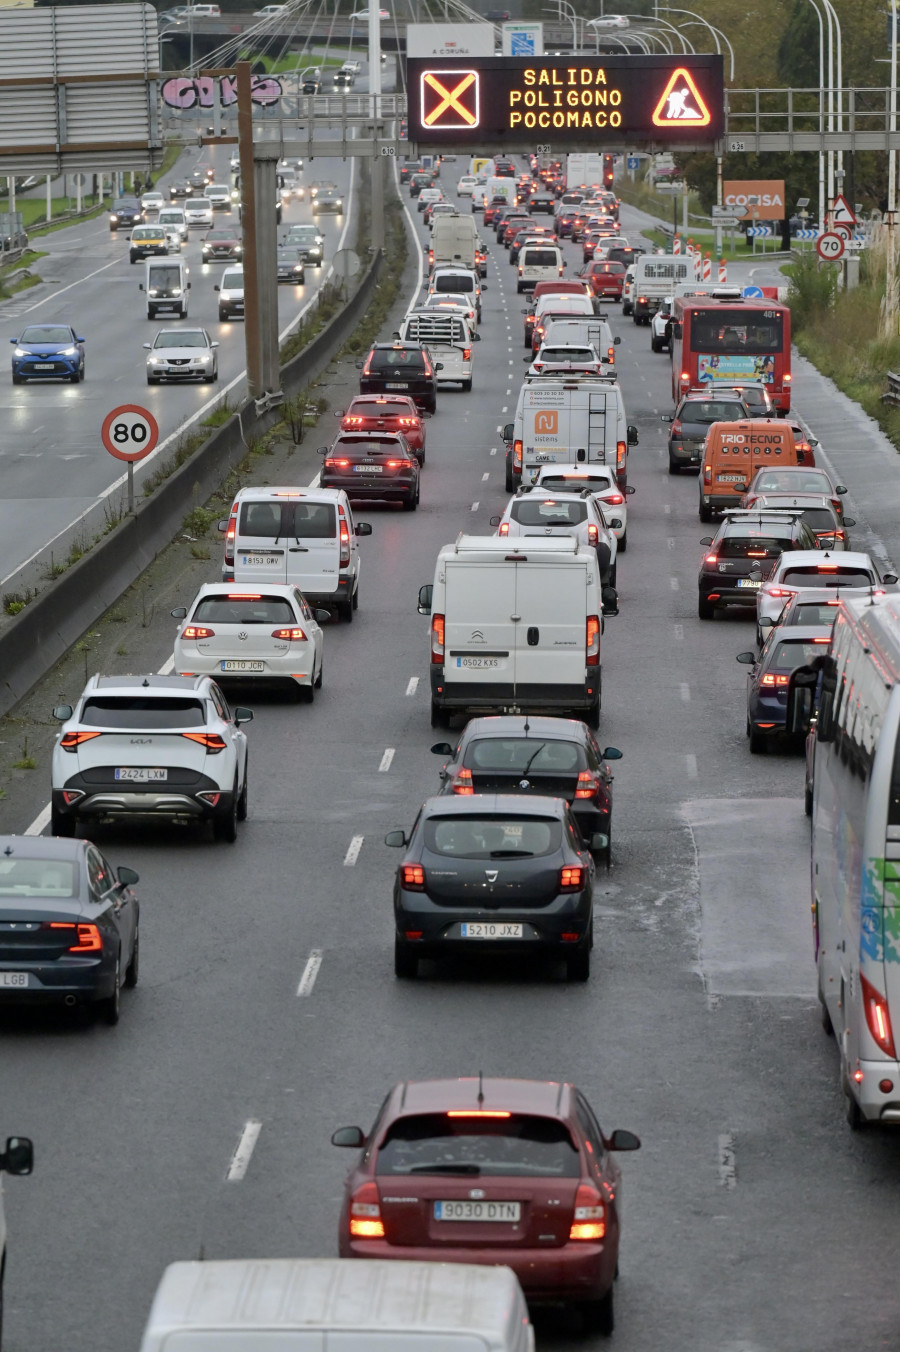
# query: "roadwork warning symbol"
(681, 103)
(449, 98)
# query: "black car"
(379, 467)
(422, 178)
(181, 188)
(542, 200)
(125, 212)
(328, 198)
(769, 677)
(69, 925)
(742, 554)
(692, 420)
(494, 873)
(290, 265)
(401, 368)
(311, 87)
(558, 757)
(410, 167)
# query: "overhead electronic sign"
(565, 102)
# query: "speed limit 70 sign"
(129, 432)
(830, 246)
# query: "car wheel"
(613, 573)
(467, 389)
(411, 503)
(223, 316)
(705, 512)
(578, 966)
(824, 1016)
(225, 826)
(242, 801)
(132, 971)
(519, 287)
(509, 481)
(109, 1008)
(622, 543)
(855, 1119)
(61, 825)
(345, 610)
(592, 715)
(406, 964)
(320, 675)
(598, 1316)
(655, 345)
(152, 380)
(674, 467)
(18, 380)
(440, 717)
(132, 258)
(705, 609)
(807, 800)
(759, 743)
(75, 378)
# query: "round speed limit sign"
(129, 432)
(830, 246)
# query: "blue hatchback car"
(785, 649)
(47, 352)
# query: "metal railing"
(892, 393)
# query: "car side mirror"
(188, 287)
(616, 341)
(147, 346)
(321, 450)
(323, 616)
(800, 700)
(746, 659)
(766, 623)
(839, 488)
(140, 288)
(615, 523)
(439, 366)
(81, 340)
(243, 715)
(476, 337)
(214, 344)
(666, 417)
(179, 613)
(127, 876)
(363, 528)
(353, 1138)
(222, 525)
(628, 489)
(632, 435)
(622, 1140)
(889, 579)
(13, 340)
(339, 413)
(508, 431)
(62, 712)
(217, 287)
(18, 1157)
(442, 749)
(396, 839)
(495, 520)
(611, 753)
(706, 541)
(599, 843)
(484, 286)
(610, 598)
(425, 597)
(849, 521)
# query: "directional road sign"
(633, 162)
(759, 232)
(753, 292)
(830, 246)
(731, 213)
(806, 234)
(129, 432)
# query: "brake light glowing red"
(87, 937)
(70, 740)
(345, 538)
(477, 1112)
(295, 632)
(571, 879)
(589, 1220)
(614, 499)
(588, 783)
(229, 537)
(353, 422)
(365, 1213)
(772, 679)
(517, 456)
(412, 877)
(592, 636)
(711, 558)
(593, 534)
(198, 631)
(779, 591)
(621, 453)
(336, 464)
(462, 784)
(211, 740)
(878, 1016)
(467, 354)
(437, 639)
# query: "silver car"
(182, 354)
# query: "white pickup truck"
(448, 339)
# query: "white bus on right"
(854, 693)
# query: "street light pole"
(889, 305)
(375, 93)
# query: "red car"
(493, 206)
(387, 413)
(514, 1172)
(606, 279)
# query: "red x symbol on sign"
(449, 98)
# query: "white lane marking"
(41, 820)
(674, 584)
(484, 477)
(500, 428)
(691, 763)
(310, 972)
(168, 666)
(493, 450)
(413, 685)
(685, 692)
(475, 506)
(727, 1166)
(678, 630)
(188, 422)
(240, 1160)
(505, 408)
(387, 758)
(671, 542)
(667, 508)
(353, 850)
(62, 291)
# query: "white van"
(539, 263)
(515, 627)
(173, 219)
(337, 1305)
(231, 293)
(491, 188)
(448, 339)
(454, 243)
(166, 286)
(305, 536)
(655, 277)
(460, 281)
(570, 419)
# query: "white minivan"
(459, 281)
(337, 1305)
(539, 263)
(516, 627)
(305, 536)
(166, 287)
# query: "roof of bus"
(749, 303)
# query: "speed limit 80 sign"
(129, 432)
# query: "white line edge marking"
(412, 685)
(727, 1165)
(240, 1160)
(685, 692)
(386, 759)
(200, 412)
(691, 762)
(310, 972)
(353, 850)
(485, 476)
(475, 506)
(674, 584)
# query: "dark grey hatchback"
(401, 368)
(494, 873)
(691, 422)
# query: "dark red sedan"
(387, 413)
(607, 279)
(492, 1171)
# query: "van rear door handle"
(514, 618)
(298, 549)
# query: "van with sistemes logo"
(734, 452)
(568, 420)
(515, 627)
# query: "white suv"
(601, 480)
(800, 568)
(150, 746)
(538, 511)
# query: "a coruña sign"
(565, 102)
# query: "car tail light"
(517, 456)
(292, 633)
(521, 269)
(345, 539)
(467, 354)
(462, 784)
(365, 1214)
(593, 640)
(412, 877)
(588, 784)
(437, 640)
(70, 740)
(211, 740)
(571, 878)
(198, 631)
(593, 535)
(477, 1112)
(71, 796)
(413, 422)
(614, 500)
(336, 464)
(779, 591)
(827, 568)
(368, 366)
(711, 558)
(503, 528)
(210, 796)
(771, 679)
(229, 538)
(878, 1016)
(621, 453)
(429, 370)
(707, 474)
(87, 937)
(589, 1220)
(611, 355)
(353, 422)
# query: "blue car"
(784, 650)
(47, 352)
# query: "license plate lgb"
(490, 929)
(140, 774)
(16, 979)
(465, 1210)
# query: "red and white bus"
(731, 342)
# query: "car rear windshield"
(812, 576)
(548, 512)
(751, 546)
(385, 408)
(819, 519)
(36, 878)
(789, 481)
(701, 411)
(518, 754)
(268, 521)
(560, 484)
(455, 282)
(561, 354)
(788, 655)
(143, 711)
(233, 609)
(812, 612)
(492, 837)
(408, 359)
(386, 446)
(518, 1145)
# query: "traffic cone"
(707, 268)
(723, 270)
(676, 245)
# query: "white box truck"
(454, 243)
(584, 170)
(568, 420)
(515, 627)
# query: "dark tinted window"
(410, 359)
(838, 577)
(710, 411)
(751, 546)
(560, 484)
(36, 878)
(356, 447)
(812, 613)
(455, 281)
(313, 521)
(164, 275)
(235, 609)
(261, 519)
(724, 330)
(492, 837)
(520, 1144)
(547, 512)
(819, 519)
(787, 656)
(520, 753)
(148, 711)
(542, 258)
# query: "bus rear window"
(722, 330)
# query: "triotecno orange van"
(734, 452)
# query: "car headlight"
(69, 352)
(176, 290)
(113, 218)
(21, 352)
(155, 361)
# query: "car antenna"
(527, 726)
(480, 1088)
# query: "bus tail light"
(365, 1214)
(592, 640)
(878, 1017)
(437, 640)
(589, 1220)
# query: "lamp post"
(716, 32)
(889, 304)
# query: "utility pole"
(258, 191)
(375, 96)
(889, 304)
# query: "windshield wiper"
(445, 1169)
(533, 757)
